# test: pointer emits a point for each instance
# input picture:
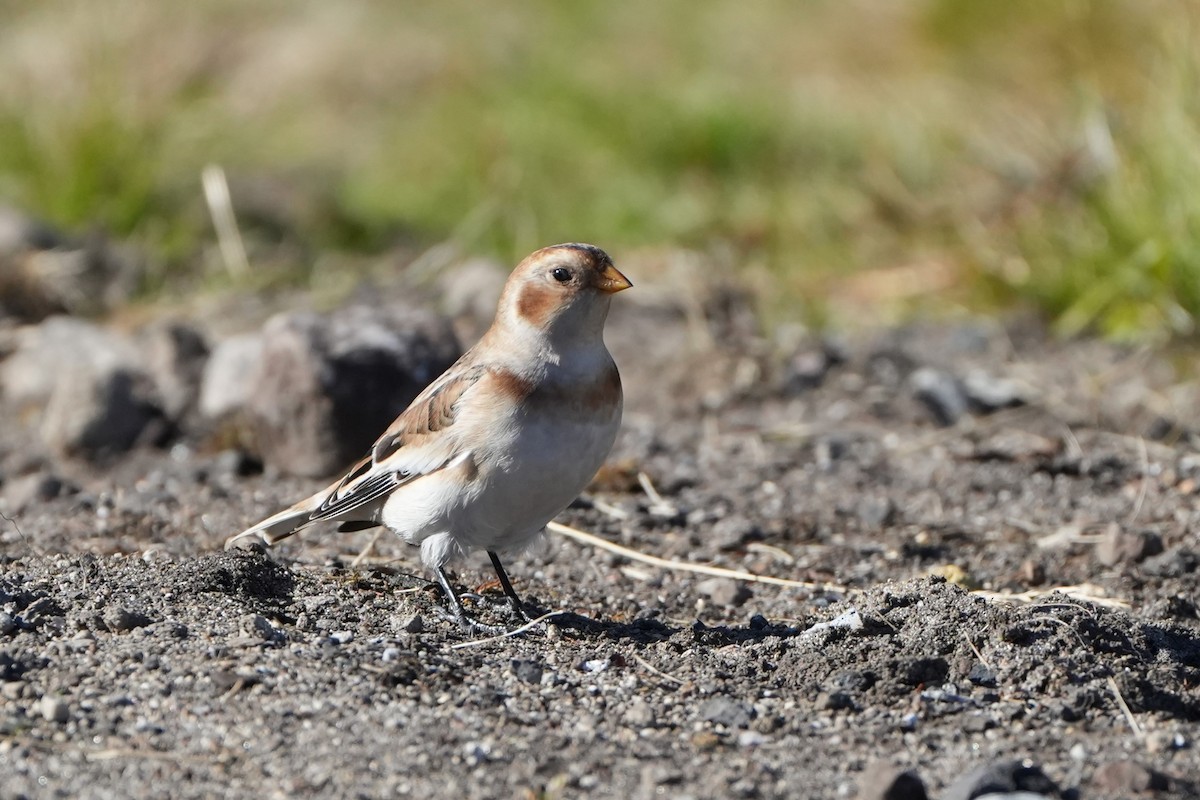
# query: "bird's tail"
(281, 525)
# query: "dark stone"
(987, 393)
(982, 675)
(329, 385)
(1003, 777)
(1122, 546)
(941, 393)
(175, 357)
(1174, 563)
(724, 710)
(527, 670)
(883, 782)
(1127, 778)
(123, 620)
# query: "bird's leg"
(457, 610)
(506, 584)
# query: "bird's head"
(563, 290)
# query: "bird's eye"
(561, 274)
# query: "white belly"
(532, 471)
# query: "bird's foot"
(458, 612)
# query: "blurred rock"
(988, 393)
(84, 382)
(724, 710)
(20, 232)
(1127, 778)
(327, 386)
(99, 413)
(42, 274)
(941, 393)
(122, 620)
(724, 592)
(228, 377)
(1121, 546)
(1005, 778)
(29, 490)
(883, 782)
(175, 355)
(1174, 563)
(54, 709)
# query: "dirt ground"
(1002, 529)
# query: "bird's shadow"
(648, 630)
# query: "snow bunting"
(504, 440)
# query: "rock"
(328, 386)
(42, 274)
(175, 356)
(54, 709)
(122, 620)
(1174, 563)
(8, 624)
(98, 414)
(982, 675)
(726, 711)
(639, 714)
(1126, 778)
(22, 293)
(807, 368)
(724, 592)
(941, 393)
(228, 376)
(875, 512)
(20, 232)
(256, 625)
(1021, 779)
(884, 782)
(835, 701)
(732, 532)
(988, 394)
(66, 343)
(93, 399)
(27, 491)
(1122, 546)
(527, 670)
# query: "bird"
(502, 441)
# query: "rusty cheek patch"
(537, 304)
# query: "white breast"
(524, 471)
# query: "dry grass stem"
(220, 208)
(533, 623)
(683, 566)
(1086, 593)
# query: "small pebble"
(726, 711)
(123, 620)
(750, 739)
(527, 670)
(1127, 778)
(884, 782)
(941, 393)
(342, 637)
(54, 709)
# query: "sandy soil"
(1020, 586)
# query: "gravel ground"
(997, 534)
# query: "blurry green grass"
(806, 142)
